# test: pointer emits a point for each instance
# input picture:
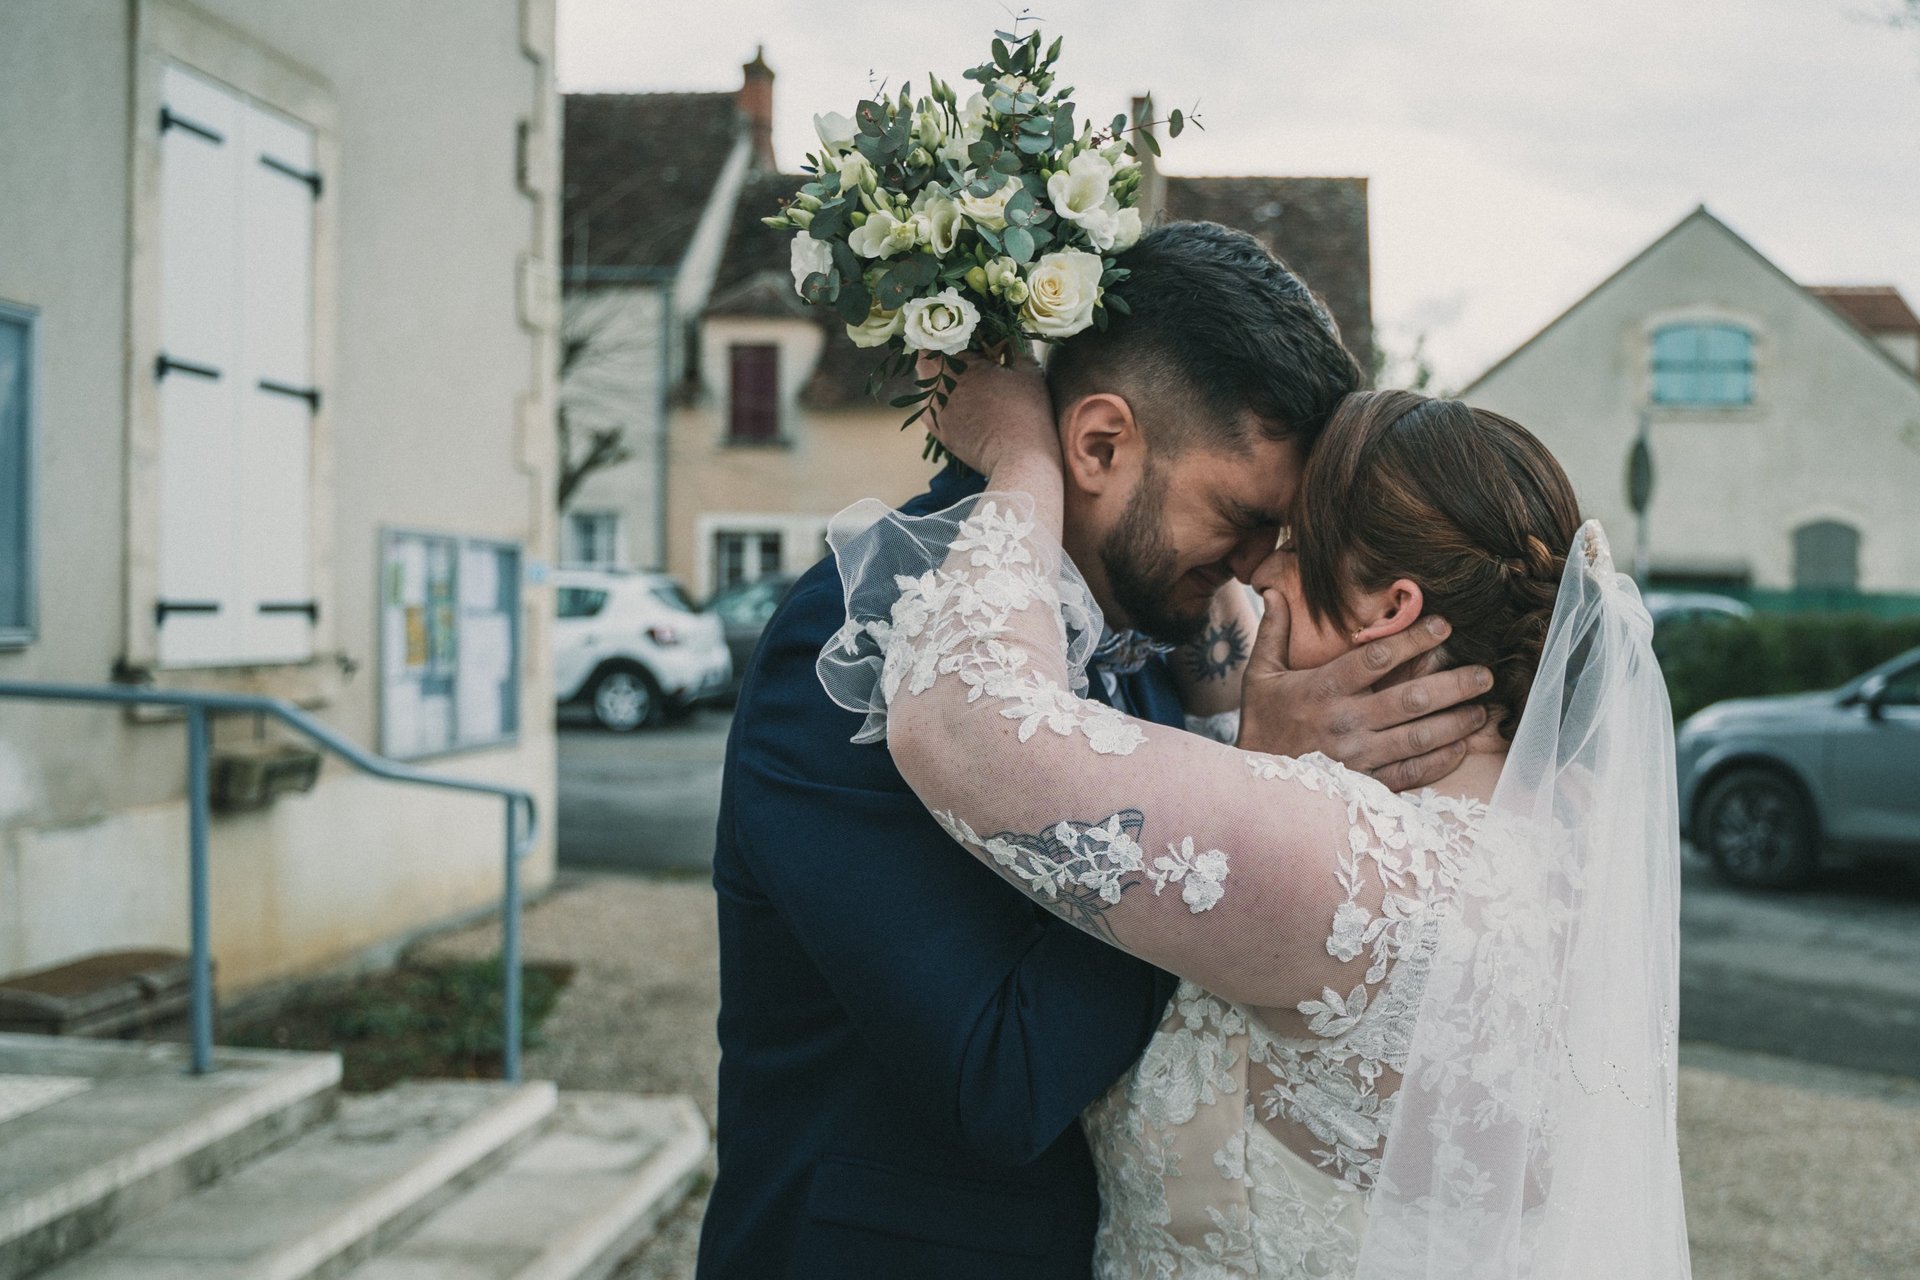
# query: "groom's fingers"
(1398, 704)
(1269, 653)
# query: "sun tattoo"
(1218, 652)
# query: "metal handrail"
(197, 707)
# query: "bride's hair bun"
(1465, 503)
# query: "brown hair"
(1465, 503)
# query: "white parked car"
(633, 648)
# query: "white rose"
(836, 131)
(989, 211)
(879, 326)
(882, 236)
(809, 256)
(1082, 194)
(937, 222)
(857, 171)
(944, 322)
(1062, 290)
(1126, 231)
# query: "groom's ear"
(1392, 611)
(1101, 443)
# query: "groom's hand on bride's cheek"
(992, 411)
(1411, 733)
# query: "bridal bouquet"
(938, 226)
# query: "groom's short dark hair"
(1216, 327)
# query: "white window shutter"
(237, 300)
(198, 374)
(276, 394)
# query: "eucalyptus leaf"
(892, 292)
(832, 219)
(1119, 124)
(1019, 208)
(1002, 58)
(1033, 144)
(871, 117)
(814, 288)
(1019, 242)
(1063, 128)
(1176, 122)
(1007, 162)
(1152, 143)
(855, 302)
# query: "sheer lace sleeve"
(965, 647)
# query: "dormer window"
(754, 405)
(1702, 365)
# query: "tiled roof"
(639, 169)
(1876, 308)
(1317, 226)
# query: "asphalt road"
(1827, 975)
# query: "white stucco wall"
(440, 417)
(1831, 433)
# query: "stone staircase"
(117, 1165)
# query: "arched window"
(1826, 556)
(1702, 364)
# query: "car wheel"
(625, 699)
(1758, 829)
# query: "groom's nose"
(1252, 552)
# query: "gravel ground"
(1792, 1172)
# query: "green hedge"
(1707, 660)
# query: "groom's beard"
(1143, 571)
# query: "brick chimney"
(1153, 188)
(756, 107)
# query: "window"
(743, 557)
(1826, 556)
(236, 398)
(579, 602)
(754, 414)
(1703, 365)
(449, 643)
(669, 594)
(1902, 689)
(594, 538)
(17, 391)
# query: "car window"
(580, 602)
(670, 595)
(1903, 688)
(751, 605)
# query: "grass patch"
(416, 1020)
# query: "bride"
(1418, 1036)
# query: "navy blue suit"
(906, 1041)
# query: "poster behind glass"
(449, 644)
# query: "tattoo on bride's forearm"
(1218, 653)
(1081, 869)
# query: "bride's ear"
(1100, 441)
(1392, 611)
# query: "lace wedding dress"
(1243, 1142)
(1418, 1037)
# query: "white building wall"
(617, 383)
(1831, 434)
(440, 405)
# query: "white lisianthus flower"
(937, 221)
(973, 118)
(1082, 194)
(836, 131)
(1126, 230)
(943, 323)
(1001, 271)
(877, 328)
(989, 211)
(857, 171)
(1062, 289)
(809, 256)
(882, 236)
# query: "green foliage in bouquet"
(937, 226)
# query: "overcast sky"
(1517, 152)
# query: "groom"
(906, 1041)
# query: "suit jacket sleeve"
(1000, 1021)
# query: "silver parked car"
(1768, 786)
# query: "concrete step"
(568, 1206)
(322, 1204)
(96, 1134)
